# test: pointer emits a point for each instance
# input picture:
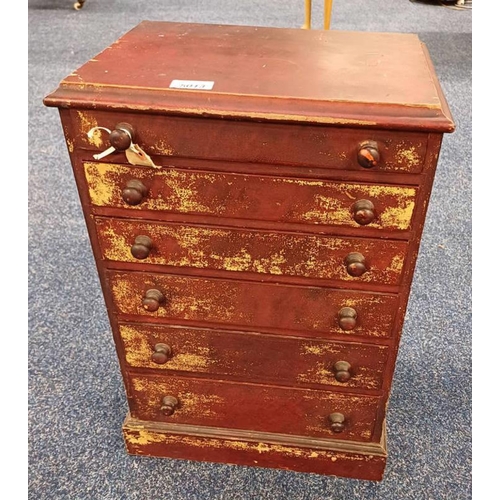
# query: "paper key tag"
(136, 156)
(191, 85)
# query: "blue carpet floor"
(76, 399)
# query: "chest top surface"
(346, 78)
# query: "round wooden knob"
(368, 155)
(342, 371)
(363, 212)
(169, 405)
(141, 247)
(122, 136)
(337, 422)
(161, 354)
(152, 300)
(134, 192)
(347, 318)
(355, 264)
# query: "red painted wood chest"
(255, 199)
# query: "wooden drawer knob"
(355, 264)
(122, 136)
(337, 422)
(162, 353)
(152, 300)
(342, 371)
(368, 155)
(347, 318)
(141, 247)
(363, 212)
(169, 405)
(134, 192)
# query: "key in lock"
(122, 139)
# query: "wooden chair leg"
(328, 14)
(307, 20)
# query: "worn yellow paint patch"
(163, 148)
(143, 385)
(150, 392)
(298, 182)
(329, 210)
(138, 352)
(191, 362)
(275, 264)
(393, 205)
(118, 244)
(102, 192)
(348, 402)
(242, 260)
(187, 303)
(118, 237)
(320, 373)
(103, 188)
(321, 368)
(143, 437)
(200, 404)
(398, 216)
(182, 192)
(126, 296)
(407, 155)
(137, 349)
(352, 302)
(71, 144)
(88, 122)
(319, 349)
(396, 264)
(179, 190)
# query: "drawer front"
(289, 309)
(251, 407)
(263, 252)
(244, 196)
(228, 140)
(254, 357)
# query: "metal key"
(106, 152)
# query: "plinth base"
(258, 449)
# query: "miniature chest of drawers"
(255, 199)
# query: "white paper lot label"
(191, 85)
